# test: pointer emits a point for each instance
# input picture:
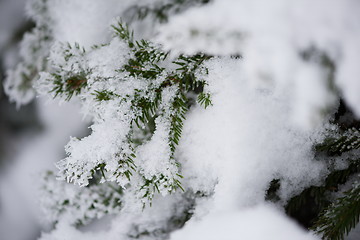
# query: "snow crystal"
(106, 60)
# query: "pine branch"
(315, 199)
(69, 86)
(347, 141)
(122, 30)
(205, 99)
(340, 217)
(144, 105)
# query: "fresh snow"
(270, 106)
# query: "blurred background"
(15, 126)
(32, 137)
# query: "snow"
(131, 223)
(106, 60)
(260, 222)
(270, 36)
(270, 107)
(230, 152)
(60, 200)
(153, 154)
(245, 140)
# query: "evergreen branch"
(122, 31)
(316, 196)
(340, 217)
(187, 70)
(144, 105)
(71, 76)
(177, 118)
(126, 164)
(347, 141)
(104, 95)
(204, 99)
(69, 86)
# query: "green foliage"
(70, 86)
(315, 207)
(126, 162)
(316, 198)
(340, 143)
(152, 186)
(70, 82)
(104, 95)
(123, 31)
(271, 192)
(177, 116)
(146, 63)
(340, 217)
(204, 99)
